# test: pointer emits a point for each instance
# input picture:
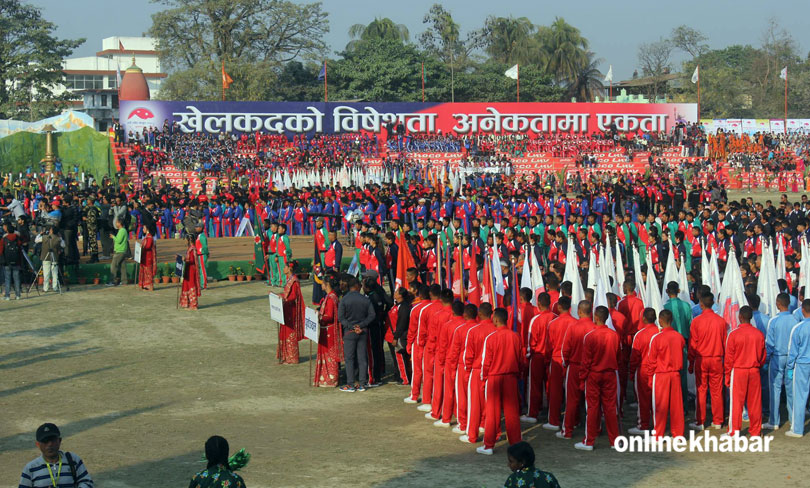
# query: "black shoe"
(374, 385)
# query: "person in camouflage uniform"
(90, 217)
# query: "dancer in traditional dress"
(191, 285)
(294, 308)
(330, 347)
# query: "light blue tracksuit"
(761, 323)
(777, 339)
(798, 314)
(798, 362)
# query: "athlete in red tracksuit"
(599, 375)
(414, 348)
(638, 362)
(663, 371)
(502, 362)
(557, 329)
(536, 346)
(572, 360)
(705, 353)
(472, 365)
(621, 324)
(632, 308)
(745, 354)
(427, 339)
(443, 389)
(454, 370)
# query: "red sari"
(327, 367)
(191, 287)
(292, 330)
(146, 275)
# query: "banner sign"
(65, 122)
(276, 308)
(311, 328)
(294, 118)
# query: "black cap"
(47, 431)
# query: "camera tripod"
(34, 283)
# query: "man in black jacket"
(382, 303)
(355, 314)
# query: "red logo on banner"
(141, 113)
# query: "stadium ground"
(137, 386)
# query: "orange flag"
(226, 79)
(404, 261)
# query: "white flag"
(609, 75)
(512, 72)
(696, 74)
(118, 74)
(783, 73)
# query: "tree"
(655, 59)
(196, 36)
(30, 63)
(689, 40)
(587, 84)
(486, 83)
(778, 50)
(377, 30)
(509, 40)
(562, 50)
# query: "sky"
(614, 33)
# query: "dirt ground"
(137, 387)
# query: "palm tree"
(563, 50)
(508, 40)
(378, 29)
(588, 81)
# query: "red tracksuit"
(501, 365)
(600, 375)
(664, 372)
(454, 369)
(705, 353)
(620, 323)
(443, 384)
(414, 348)
(431, 331)
(639, 356)
(527, 312)
(536, 345)
(632, 308)
(745, 354)
(556, 371)
(472, 365)
(572, 360)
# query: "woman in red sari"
(327, 367)
(294, 309)
(148, 265)
(191, 287)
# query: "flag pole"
(423, 82)
(698, 90)
(518, 82)
(223, 80)
(786, 77)
(325, 85)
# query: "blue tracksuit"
(799, 362)
(761, 323)
(798, 314)
(777, 340)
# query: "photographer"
(51, 246)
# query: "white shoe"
(726, 435)
(635, 431)
(484, 450)
(481, 430)
(716, 426)
(430, 416)
(560, 435)
(770, 426)
(583, 447)
(456, 430)
(696, 426)
(528, 420)
(409, 400)
(439, 423)
(425, 407)
(465, 439)
(790, 433)
(551, 427)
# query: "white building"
(94, 78)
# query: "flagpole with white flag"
(767, 287)
(783, 75)
(514, 73)
(572, 274)
(609, 79)
(641, 288)
(537, 279)
(732, 293)
(696, 79)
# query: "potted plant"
(96, 279)
(40, 279)
(82, 280)
(171, 273)
(165, 276)
(240, 275)
(231, 274)
(251, 272)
